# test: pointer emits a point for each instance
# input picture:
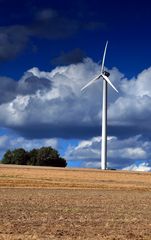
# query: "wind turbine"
(104, 75)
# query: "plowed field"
(51, 203)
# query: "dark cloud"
(53, 130)
(46, 14)
(29, 84)
(74, 56)
(13, 40)
(47, 24)
(8, 89)
(94, 25)
(54, 28)
(52, 25)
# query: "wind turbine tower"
(105, 76)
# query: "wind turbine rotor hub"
(106, 73)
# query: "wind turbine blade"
(109, 82)
(103, 60)
(89, 83)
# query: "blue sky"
(48, 51)
(76, 24)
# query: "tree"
(19, 156)
(45, 156)
(48, 156)
(7, 158)
(32, 157)
(61, 162)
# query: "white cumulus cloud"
(50, 104)
(52, 101)
(140, 167)
(121, 152)
(47, 105)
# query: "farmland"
(53, 203)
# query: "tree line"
(45, 156)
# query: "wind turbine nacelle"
(106, 73)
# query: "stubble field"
(51, 203)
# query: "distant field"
(53, 203)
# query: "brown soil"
(50, 203)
